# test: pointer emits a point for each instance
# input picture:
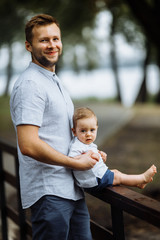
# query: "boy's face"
(86, 130)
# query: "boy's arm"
(31, 145)
(103, 155)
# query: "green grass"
(6, 126)
(95, 100)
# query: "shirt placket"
(56, 79)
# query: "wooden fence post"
(3, 202)
(22, 222)
(117, 223)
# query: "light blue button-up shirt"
(38, 100)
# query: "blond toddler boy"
(85, 126)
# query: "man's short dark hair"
(38, 20)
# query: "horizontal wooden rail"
(8, 147)
(99, 232)
(133, 203)
(121, 199)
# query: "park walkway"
(111, 117)
(131, 139)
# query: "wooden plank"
(3, 201)
(132, 202)
(117, 223)
(99, 232)
(13, 214)
(8, 147)
(9, 178)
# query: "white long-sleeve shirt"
(87, 178)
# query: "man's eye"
(43, 40)
(82, 131)
(92, 130)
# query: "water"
(100, 83)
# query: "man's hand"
(103, 155)
(86, 161)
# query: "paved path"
(140, 122)
(133, 149)
(111, 117)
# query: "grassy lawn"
(6, 127)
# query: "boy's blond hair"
(81, 113)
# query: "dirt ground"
(136, 146)
(133, 149)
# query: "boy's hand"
(103, 155)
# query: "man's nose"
(51, 44)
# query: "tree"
(148, 14)
(125, 24)
(144, 18)
(142, 95)
(114, 63)
(11, 24)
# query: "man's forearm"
(42, 152)
(31, 145)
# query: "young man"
(41, 111)
(85, 127)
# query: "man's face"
(46, 46)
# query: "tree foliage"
(137, 20)
(147, 14)
(11, 22)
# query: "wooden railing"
(120, 199)
(18, 214)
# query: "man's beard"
(45, 62)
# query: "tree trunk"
(9, 69)
(114, 58)
(158, 95)
(142, 96)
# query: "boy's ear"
(74, 131)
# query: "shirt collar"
(46, 72)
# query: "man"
(41, 111)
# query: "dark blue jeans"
(55, 218)
(106, 181)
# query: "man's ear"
(28, 46)
(74, 131)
